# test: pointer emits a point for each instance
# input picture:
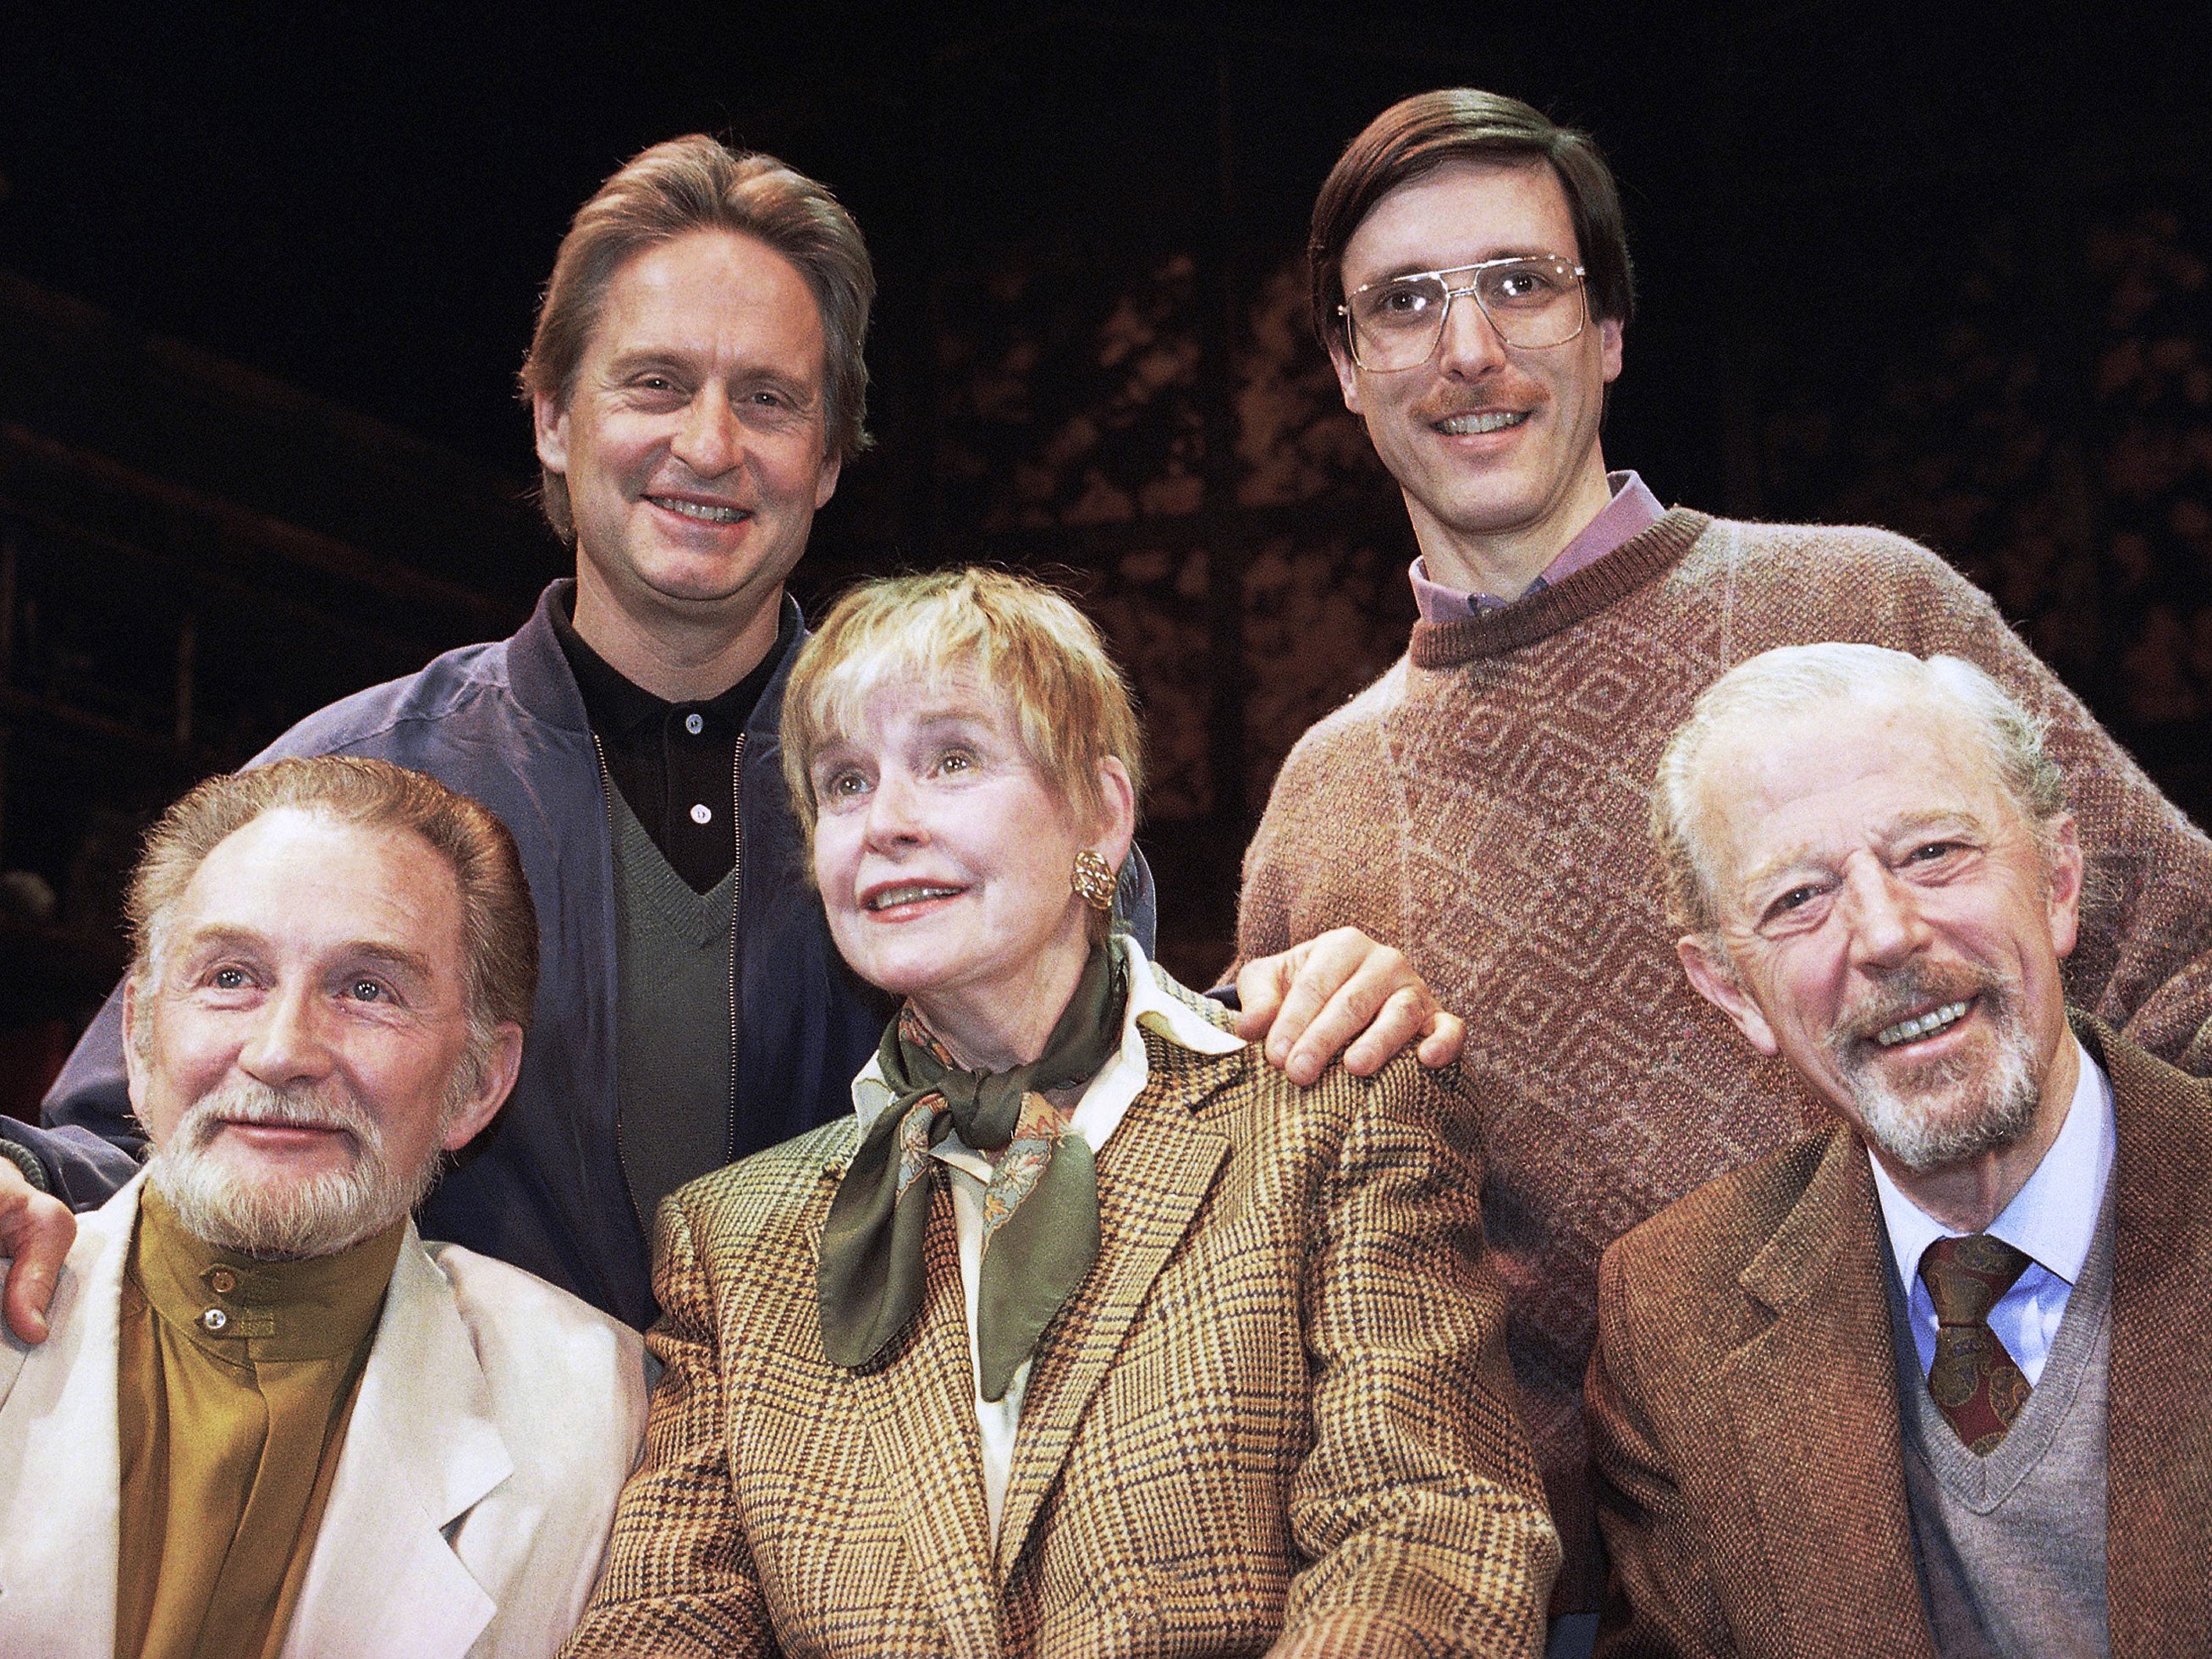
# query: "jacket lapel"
(60, 1466)
(928, 1379)
(421, 1451)
(2158, 1439)
(1813, 1401)
(1153, 1174)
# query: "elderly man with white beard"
(269, 1419)
(1927, 1382)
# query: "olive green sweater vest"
(673, 1064)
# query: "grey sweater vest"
(2011, 1547)
(673, 1035)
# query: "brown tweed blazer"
(1280, 1403)
(1744, 1412)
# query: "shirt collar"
(317, 1307)
(1632, 510)
(1152, 1007)
(618, 706)
(2052, 1218)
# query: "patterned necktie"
(1974, 1381)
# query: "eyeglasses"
(1532, 302)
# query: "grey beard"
(1986, 1112)
(284, 1220)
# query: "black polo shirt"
(676, 764)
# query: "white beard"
(1985, 1109)
(279, 1219)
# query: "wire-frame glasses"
(1532, 301)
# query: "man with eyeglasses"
(1482, 807)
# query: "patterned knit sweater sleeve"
(1322, 800)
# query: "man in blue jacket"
(696, 384)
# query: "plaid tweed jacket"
(1743, 1401)
(1278, 1405)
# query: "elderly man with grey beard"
(269, 1419)
(1926, 1382)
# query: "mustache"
(1491, 399)
(1906, 990)
(247, 1102)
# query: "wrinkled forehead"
(1820, 777)
(914, 673)
(315, 882)
(710, 289)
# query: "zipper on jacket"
(629, 1187)
(737, 893)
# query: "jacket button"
(223, 1281)
(215, 1319)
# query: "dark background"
(265, 278)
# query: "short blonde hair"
(1794, 678)
(1072, 708)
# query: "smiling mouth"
(892, 897)
(1478, 422)
(700, 510)
(1927, 1024)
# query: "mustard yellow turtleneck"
(236, 1379)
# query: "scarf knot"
(1039, 1208)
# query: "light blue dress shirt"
(2051, 1219)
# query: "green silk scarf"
(1040, 1210)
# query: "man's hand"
(36, 1231)
(1316, 997)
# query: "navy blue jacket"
(543, 1187)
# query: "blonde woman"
(1087, 1332)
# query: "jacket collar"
(538, 674)
(1812, 1398)
(936, 1482)
(422, 1448)
(2159, 1432)
(1152, 1177)
(1168, 1163)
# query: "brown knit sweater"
(1483, 806)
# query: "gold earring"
(1093, 880)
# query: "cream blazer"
(496, 1421)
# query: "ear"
(550, 422)
(1608, 334)
(1348, 374)
(1713, 976)
(134, 1068)
(825, 482)
(1120, 827)
(2063, 901)
(493, 1084)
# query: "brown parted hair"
(1010, 633)
(698, 183)
(499, 926)
(1420, 134)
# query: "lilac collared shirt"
(2052, 1220)
(1632, 510)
